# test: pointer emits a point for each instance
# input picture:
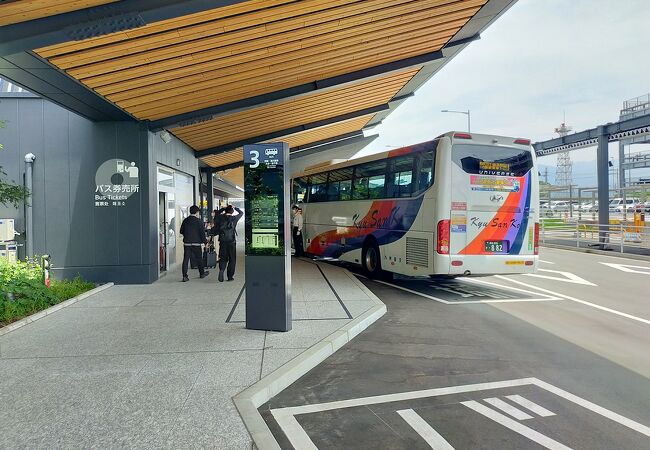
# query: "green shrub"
(22, 291)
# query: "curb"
(52, 309)
(595, 251)
(259, 393)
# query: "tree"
(10, 194)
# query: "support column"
(210, 188)
(621, 158)
(602, 161)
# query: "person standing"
(217, 218)
(193, 239)
(228, 242)
(297, 231)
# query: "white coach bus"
(458, 205)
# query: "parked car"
(588, 206)
(560, 205)
(619, 204)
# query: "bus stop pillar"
(602, 162)
(268, 236)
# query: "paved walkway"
(156, 366)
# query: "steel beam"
(593, 134)
(287, 131)
(97, 21)
(340, 137)
(296, 92)
(38, 76)
(326, 147)
(234, 165)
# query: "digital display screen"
(264, 202)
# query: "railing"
(623, 237)
(635, 104)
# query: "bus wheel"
(370, 260)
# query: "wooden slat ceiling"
(253, 48)
(24, 10)
(234, 176)
(247, 124)
(294, 140)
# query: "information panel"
(268, 252)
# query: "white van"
(618, 204)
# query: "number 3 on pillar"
(255, 156)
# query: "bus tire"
(371, 259)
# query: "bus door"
(490, 202)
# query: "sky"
(540, 60)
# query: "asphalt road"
(557, 360)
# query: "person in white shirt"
(297, 231)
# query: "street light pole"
(467, 113)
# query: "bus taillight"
(443, 237)
(536, 240)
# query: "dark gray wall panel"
(81, 175)
(30, 139)
(105, 219)
(10, 157)
(102, 244)
(55, 209)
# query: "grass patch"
(23, 293)
(552, 223)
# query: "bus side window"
(360, 191)
(299, 190)
(340, 183)
(370, 180)
(318, 188)
(425, 172)
(401, 176)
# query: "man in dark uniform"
(193, 239)
(228, 242)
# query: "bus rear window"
(492, 160)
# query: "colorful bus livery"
(460, 204)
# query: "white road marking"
(573, 299)
(532, 406)
(515, 426)
(567, 277)
(546, 262)
(629, 268)
(292, 429)
(298, 437)
(508, 409)
(401, 396)
(426, 432)
(465, 302)
(631, 424)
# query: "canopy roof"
(242, 72)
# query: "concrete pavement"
(156, 366)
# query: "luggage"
(210, 259)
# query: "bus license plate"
(496, 246)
